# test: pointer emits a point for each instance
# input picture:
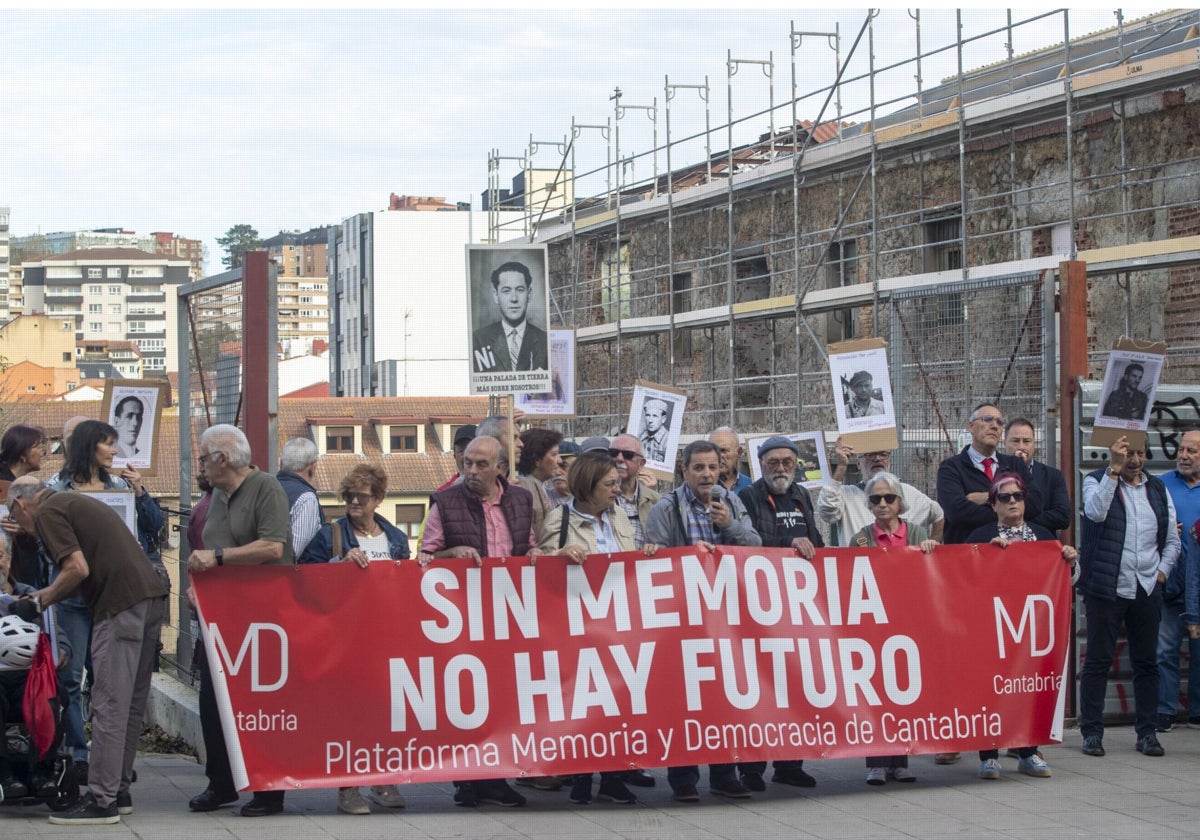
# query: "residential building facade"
(302, 284)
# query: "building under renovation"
(949, 222)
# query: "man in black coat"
(1056, 513)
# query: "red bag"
(41, 692)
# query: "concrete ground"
(1124, 795)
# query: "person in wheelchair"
(22, 777)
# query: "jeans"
(1141, 615)
(75, 621)
(689, 775)
(1171, 632)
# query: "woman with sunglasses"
(21, 451)
(1006, 497)
(889, 529)
(360, 537)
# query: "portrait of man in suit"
(513, 342)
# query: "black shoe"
(499, 792)
(13, 788)
(44, 787)
(581, 789)
(614, 790)
(259, 806)
(754, 782)
(81, 770)
(211, 800)
(794, 777)
(1148, 745)
(1093, 745)
(638, 778)
(124, 803)
(1164, 723)
(730, 789)
(87, 812)
(464, 795)
(686, 793)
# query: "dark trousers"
(1141, 615)
(216, 767)
(690, 775)
(760, 767)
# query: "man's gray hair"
(298, 454)
(24, 489)
(893, 485)
(230, 442)
(492, 427)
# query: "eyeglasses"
(611, 485)
(357, 498)
(871, 456)
(781, 463)
(890, 498)
(203, 459)
(627, 454)
(1010, 497)
(989, 418)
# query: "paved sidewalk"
(1124, 795)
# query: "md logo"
(1037, 618)
(264, 642)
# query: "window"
(114, 290)
(409, 518)
(67, 356)
(114, 272)
(114, 309)
(681, 301)
(616, 281)
(339, 439)
(95, 308)
(403, 438)
(841, 267)
(137, 326)
(753, 279)
(943, 252)
(95, 274)
(95, 326)
(95, 290)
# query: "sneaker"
(989, 768)
(946, 758)
(1148, 745)
(1165, 723)
(548, 783)
(754, 782)
(1034, 766)
(124, 803)
(638, 778)
(498, 792)
(614, 790)
(901, 774)
(877, 776)
(794, 776)
(686, 793)
(12, 788)
(730, 789)
(388, 796)
(465, 795)
(350, 801)
(581, 789)
(87, 812)
(1093, 745)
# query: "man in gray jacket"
(702, 513)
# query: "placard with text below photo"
(559, 401)
(508, 307)
(134, 408)
(812, 465)
(862, 394)
(656, 419)
(1130, 382)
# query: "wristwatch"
(220, 555)
(1113, 473)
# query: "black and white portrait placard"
(1130, 382)
(862, 392)
(559, 401)
(134, 408)
(656, 419)
(508, 308)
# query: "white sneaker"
(388, 796)
(1034, 766)
(876, 775)
(989, 768)
(350, 801)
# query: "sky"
(194, 121)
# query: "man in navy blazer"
(512, 343)
(963, 482)
(1056, 513)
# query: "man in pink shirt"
(481, 516)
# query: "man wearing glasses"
(963, 480)
(845, 507)
(247, 525)
(635, 498)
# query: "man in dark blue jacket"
(1056, 513)
(1129, 546)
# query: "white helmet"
(18, 641)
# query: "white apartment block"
(117, 294)
(398, 302)
(4, 316)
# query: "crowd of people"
(1137, 565)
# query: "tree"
(238, 240)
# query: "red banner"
(333, 675)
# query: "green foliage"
(238, 240)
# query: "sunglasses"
(1010, 497)
(890, 498)
(356, 498)
(627, 454)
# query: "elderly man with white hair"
(297, 471)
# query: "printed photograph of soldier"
(1128, 389)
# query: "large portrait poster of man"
(862, 393)
(508, 307)
(134, 408)
(656, 418)
(1127, 397)
(559, 401)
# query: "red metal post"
(257, 311)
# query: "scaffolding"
(730, 274)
